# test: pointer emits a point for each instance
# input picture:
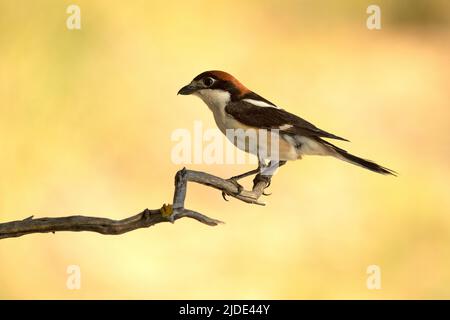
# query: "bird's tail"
(367, 164)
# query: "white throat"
(216, 100)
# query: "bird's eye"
(208, 81)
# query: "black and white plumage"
(251, 114)
(236, 107)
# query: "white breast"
(216, 100)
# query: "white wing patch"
(260, 103)
(285, 126)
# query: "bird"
(235, 107)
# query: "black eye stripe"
(208, 81)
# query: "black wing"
(274, 118)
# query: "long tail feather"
(367, 164)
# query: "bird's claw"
(224, 196)
(266, 179)
(237, 185)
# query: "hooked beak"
(186, 90)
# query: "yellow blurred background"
(86, 118)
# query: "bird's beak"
(186, 90)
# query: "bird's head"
(215, 87)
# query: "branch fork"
(146, 218)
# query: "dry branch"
(144, 219)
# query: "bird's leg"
(234, 180)
(264, 173)
(246, 174)
(267, 172)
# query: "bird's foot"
(265, 178)
(239, 187)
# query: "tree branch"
(144, 219)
